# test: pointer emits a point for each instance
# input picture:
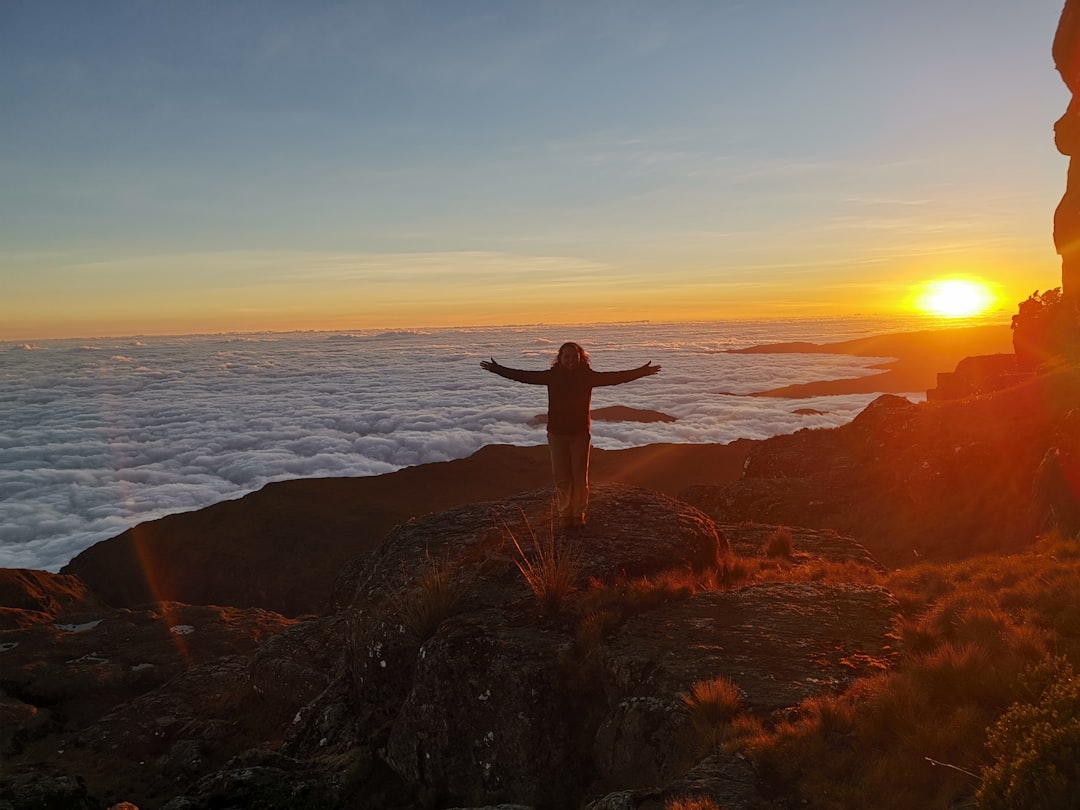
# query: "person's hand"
(650, 369)
(488, 365)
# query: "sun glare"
(955, 297)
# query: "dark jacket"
(570, 392)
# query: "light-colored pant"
(570, 469)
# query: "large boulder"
(485, 704)
(631, 532)
(490, 714)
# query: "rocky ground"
(390, 702)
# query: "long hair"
(582, 355)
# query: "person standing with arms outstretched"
(570, 382)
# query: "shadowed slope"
(281, 547)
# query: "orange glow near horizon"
(955, 297)
(897, 291)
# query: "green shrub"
(1045, 330)
(1036, 745)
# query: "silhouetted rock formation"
(616, 413)
(1066, 52)
(941, 480)
(920, 356)
(978, 375)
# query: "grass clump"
(916, 736)
(432, 597)
(712, 705)
(551, 568)
(780, 544)
(691, 803)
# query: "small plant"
(732, 571)
(691, 803)
(780, 543)
(432, 597)
(550, 569)
(712, 704)
(1045, 329)
(1036, 745)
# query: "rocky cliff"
(1066, 52)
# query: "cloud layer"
(97, 437)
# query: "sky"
(181, 167)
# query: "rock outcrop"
(486, 704)
(616, 413)
(1066, 52)
(935, 481)
(443, 680)
(982, 374)
(29, 597)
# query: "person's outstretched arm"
(516, 374)
(619, 377)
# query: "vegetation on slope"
(966, 718)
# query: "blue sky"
(219, 166)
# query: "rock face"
(128, 696)
(32, 597)
(443, 680)
(978, 375)
(1066, 52)
(935, 481)
(484, 705)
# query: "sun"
(955, 297)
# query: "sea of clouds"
(99, 435)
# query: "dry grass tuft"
(712, 705)
(551, 568)
(780, 543)
(433, 597)
(691, 803)
(732, 571)
(916, 735)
